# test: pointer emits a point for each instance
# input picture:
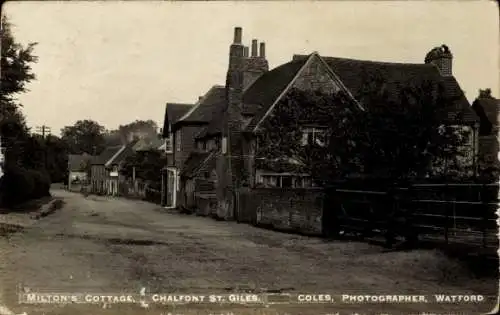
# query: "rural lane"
(100, 244)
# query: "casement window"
(169, 143)
(178, 140)
(285, 181)
(314, 136)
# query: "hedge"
(19, 185)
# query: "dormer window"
(314, 135)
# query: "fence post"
(390, 218)
(484, 212)
(447, 206)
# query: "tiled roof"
(355, 73)
(125, 152)
(76, 161)
(215, 126)
(195, 162)
(208, 107)
(173, 112)
(263, 92)
(107, 154)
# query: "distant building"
(105, 172)
(170, 182)
(78, 170)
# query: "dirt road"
(98, 244)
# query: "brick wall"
(296, 210)
(187, 144)
(316, 77)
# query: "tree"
(147, 166)
(16, 72)
(85, 136)
(399, 136)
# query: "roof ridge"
(198, 103)
(287, 87)
(110, 161)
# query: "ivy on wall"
(401, 133)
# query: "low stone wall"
(294, 210)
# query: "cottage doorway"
(171, 188)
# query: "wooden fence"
(453, 213)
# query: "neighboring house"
(78, 170)
(105, 176)
(181, 124)
(487, 108)
(216, 141)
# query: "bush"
(41, 181)
(19, 185)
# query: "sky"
(118, 61)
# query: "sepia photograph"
(249, 157)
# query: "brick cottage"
(215, 142)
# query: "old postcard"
(267, 157)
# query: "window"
(168, 143)
(204, 145)
(314, 136)
(224, 145)
(298, 182)
(178, 140)
(285, 181)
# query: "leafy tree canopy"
(134, 130)
(85, 136)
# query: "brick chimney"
(442, 58)
(229, 168)
(262, 50)
(254, 48)
(256, 65)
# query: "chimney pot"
(254, 48)
(262, 52)
(245, 51)
(237, 35)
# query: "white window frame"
(169, 144)
(313, 131)
(224, 145)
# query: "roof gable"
(76, 161)
(173, 112)
(106, 155)
(262, 94)
(209, 106)
(124, 152)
